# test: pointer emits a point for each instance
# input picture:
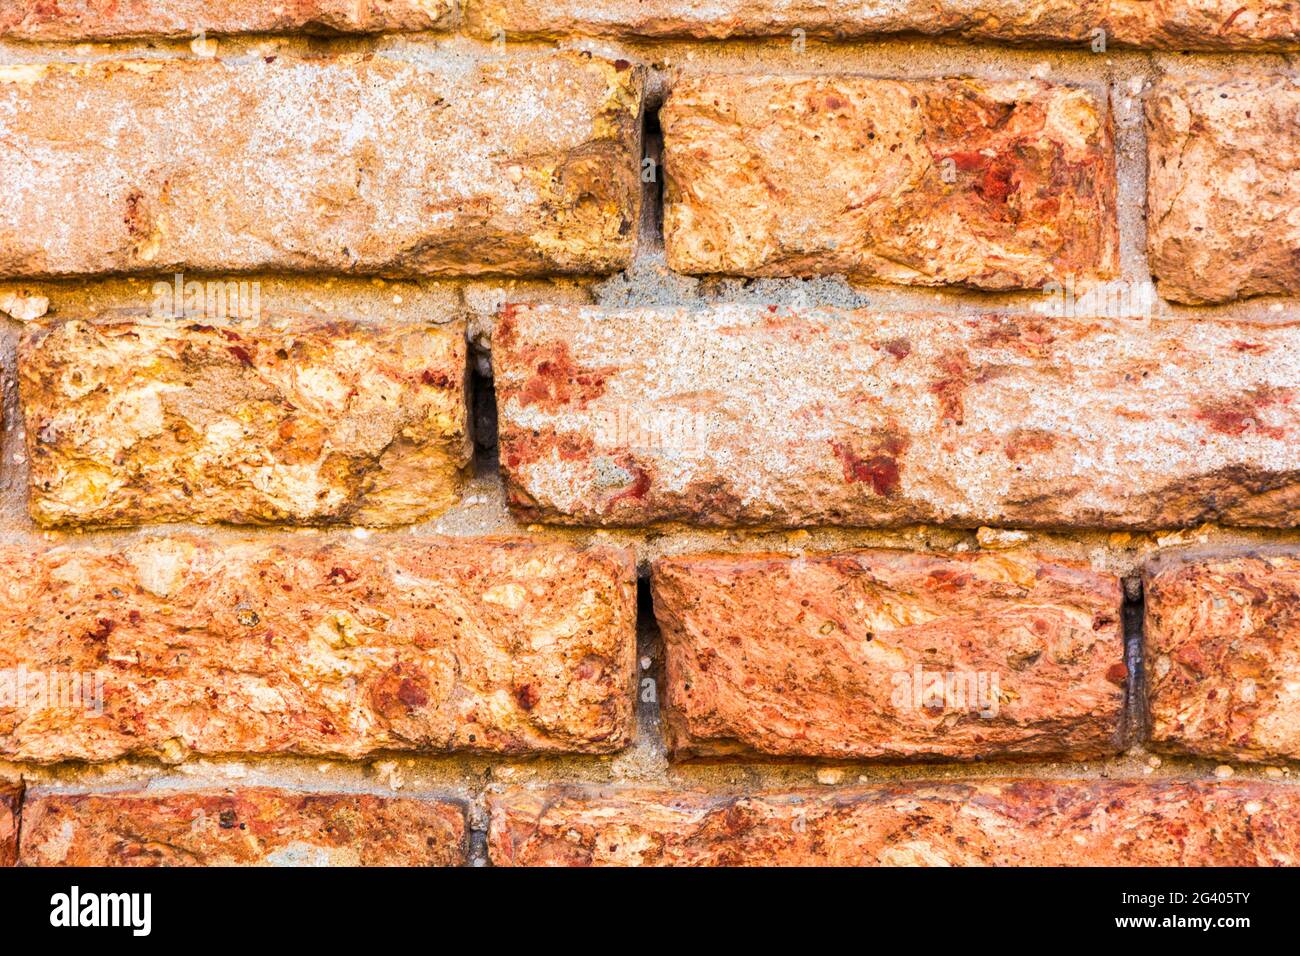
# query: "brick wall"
(649, 432)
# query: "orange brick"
(994, 185)
(985, 823)
(296, 646)
(1221, 157)
(871, 654)
(309, 423)
(10, 799)
(1222, 658)
(351, 163)
(97, 20)
(255, 826)
(1157, 24)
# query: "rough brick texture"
(314, 423)
(1222, 188)
(317, 648)
(989, 823)
(245, 827)
(350, 163)
(890, 654)
(961, 181)
(1171, 24)
(1222, 654)
(10, 799)
(741, 415)
(113, 19)
(996, 19)
(1204, 24)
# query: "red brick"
(302, 646)
(995, 185)
(1222, 658)
(11, 796)
(354, 163)
(744, 415)
(985, 823)
(838, 655)
(255, 826)
(114, 19)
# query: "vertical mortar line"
(482, 413)
(13, 473)
(652, 191)
(483, 429)
(476, 827)
(1134, 613)
(649, 649)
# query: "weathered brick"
(927, 182)
(10, 799)
(742, 415)
(352, 163)
(866, 654)
(254, 826)
(310, 647)
(997, 19)
(1223, 653)
(1204, 24)
(1222, 187)
(316, 422)
(990, 823)
(114, 19)
(1168, 24)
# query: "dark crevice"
(649, 650)
(652, 179)
(483, 419)
(1135, 713)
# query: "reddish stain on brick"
(881, 471)
(557, 381)
(949, 387)
(1029, 441)
(1236, 416)
(527, 696)
(641, 482)
(899, 348)
(525, 446)
(1000, 180)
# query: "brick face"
(767, 417)
(10, 798)
(888, 654)
(97, 19)
(1160, 24)
(954, 181)
(245, 827)
(985, 823)
(310, 423)
(1205, 24)
(999, 19)
(304, 647)
(348, 164)
(1222, 654)
(1221, 186)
